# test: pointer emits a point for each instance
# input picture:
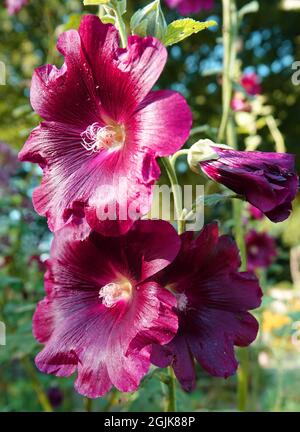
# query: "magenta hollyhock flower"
(186, 7)
(14, 6)
(255, 212)
(251, 84)
(261, 250)
(267, 180)
(104, 309)
(103, 128)
(213, 299)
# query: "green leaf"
(149, 21)
(213, 199)
(183, 28)
(9, 281)
(251, 7)
(72, 23)
(108, 19)
(95, 2)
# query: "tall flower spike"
(103, 126)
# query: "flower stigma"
(96, 137)
(114, 292)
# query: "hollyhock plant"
(104, 308)
(251, 84)
(103, 128)
(213, 299)
(186, 7)
(14, 6)
(266, 180)
(261, 250)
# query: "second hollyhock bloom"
(103, 128)
(255, 213)
(213, 299)
(251, 84)
(14, 6)
(186, 7)
(267, 180)
(261, 250)
(104, 309)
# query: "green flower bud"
(201, 151)
(149, 21)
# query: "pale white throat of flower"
(97, 137)
(114, 292)
(181, 297)
(254, 249)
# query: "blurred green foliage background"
(269, 44)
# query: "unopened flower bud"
(149, 21)
(201, 151)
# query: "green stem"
(226, 79)
(111, 400)
(172, 391)
(177, 155)
(101, 11)
(204, 129)
(239, 232)
(228, 131)
(88, 404)
(121, 27)
(176, 192)
(41, 395)
(169, 167)
(243, 380)
(276, 134)
(243, 370)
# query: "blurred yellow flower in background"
(273, 321)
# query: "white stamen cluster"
(97, 137)
(182, 301)
(113, 292)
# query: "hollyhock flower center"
(254, 250)
(96, 137)
(182, 302)
(114, 292)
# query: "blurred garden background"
(269, 46)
